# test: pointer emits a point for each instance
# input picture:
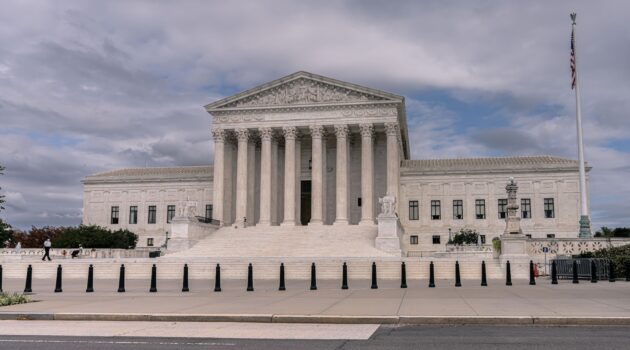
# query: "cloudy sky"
(88, 86)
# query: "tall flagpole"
(585, 223)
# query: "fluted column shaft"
(367, 174)
(393, 160)
(341, 132)
(317, 187)
(290, 134)
(265, 176)
(241, 176)
(218, 181)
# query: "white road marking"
(110, 342)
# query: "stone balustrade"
(571, 246)
(65, 253)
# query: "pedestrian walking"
(47, 246)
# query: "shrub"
(71, 237)
(465, 236)
(496, 244)
(7, 299)
(620, 256)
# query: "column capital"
(367, 129)
(341, 130)
(218, 134)
(391, 129)
(242, 134)
(317, 131)
(290, 132)
(266, 133)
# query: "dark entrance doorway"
(305, 202)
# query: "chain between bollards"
(121, 279)
(344, 277)
(185, 280)
(282, 285)
(431, 276)
(458, 280)
(90, 281)
(374, 284)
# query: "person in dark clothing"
(47, 246)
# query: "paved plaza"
(520, 303)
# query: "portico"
(306, 150)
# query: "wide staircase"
(281, 241)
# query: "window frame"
(436, 209)
(436, 239)
(133, 215)
(459, 208)
(480, 203)
(413, 239)
(526, 202)
(170, 213)
(502, 203)
(414, 210)
(549, 203)
(150, 242)
(114, 215)
(152, 214)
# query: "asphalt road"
(387, 337)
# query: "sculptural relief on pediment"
(301, 92)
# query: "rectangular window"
(149, 242)
(151, 214)
(551, 235)
(549, 209)
(480, 208)
(436, 239)
(413, 210)
(133, 214)
(209, 211)
(413, 239)
(114, 220)
(170, 213)
(528, 236)
(502, 208)
(482, 238)
(526, 208)
(359, 201)
(436, 210)
(458, 209)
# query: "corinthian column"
(218, 180)
(317, 187)
(393, 160)
(290, 133)
(341, 132)
(367, 174)
(241, 176)
(265, 176)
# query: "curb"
(325, 319)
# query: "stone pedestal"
(390, 233)
(186, 232)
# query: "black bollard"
(217, 279)
(0, 278)
(554, 273)
(90, 282)
(185, 281)
(374, 285)
(313, 277)
(431, 276)
(484, 282)
(575, 272)
(153, 288)
(250, 278)
(627, 265)
(611, 272)
(282, 286)
(344, 277)
(121, 279)
(508, 274)
(29, 280)
(58, 280)
(532, 280)
(593, 272)
(458, 280)
(403, 275)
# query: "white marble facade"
(310, 150)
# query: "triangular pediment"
(303, 88)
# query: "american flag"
(572, 60)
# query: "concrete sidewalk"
(566, 303)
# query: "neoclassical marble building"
(313, 154)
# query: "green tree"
(6, 233)
(465, 236)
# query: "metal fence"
(564, 268)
